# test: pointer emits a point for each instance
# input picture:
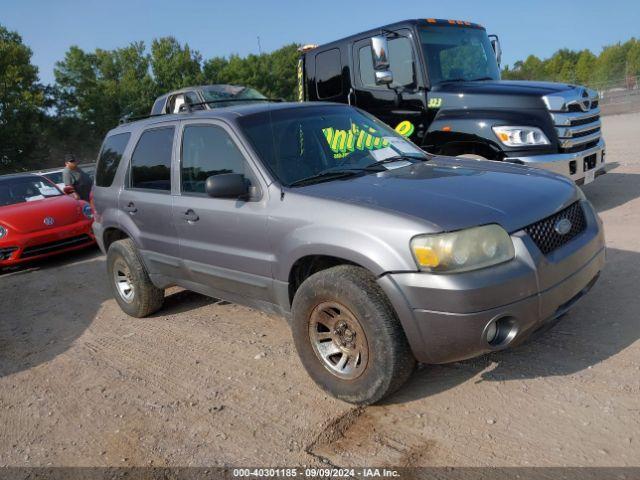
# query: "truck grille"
(576, 117)
(544, 234)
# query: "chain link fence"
(619, 96)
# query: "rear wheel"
(129, 280)
(348, 336)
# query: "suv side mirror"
(379, 49)
(227, 185)
(497, 49)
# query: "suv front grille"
(544, 234)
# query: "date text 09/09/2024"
(314, 472)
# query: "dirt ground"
(205, 383)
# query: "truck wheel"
(348, 336)
(130, 282)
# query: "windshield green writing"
(344, 142)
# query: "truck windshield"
(313, 143)
(456, 54)
(220, 93)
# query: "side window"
(208, 150)
(109, 158)
(367, 74)
(400, 60)
(151, 160)
(192, 99)
(329, 74)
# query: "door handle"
(190, 216)
(130, 208)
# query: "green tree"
(102, 87)
(530, 69)
(561, 66)
(173, 65)
(273, 74)
(611, 64)
(21, 102)
(633, 58)
(585, 66)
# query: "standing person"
(73, 176)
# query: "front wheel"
(348, 336)
(129, 280)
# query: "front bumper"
(445, 316)
(573, 165)
(21, 248)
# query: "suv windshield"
(26, 189)
(458, 54)
(216, 93)
(299, 143)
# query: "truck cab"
(205, 97)
(438, 83)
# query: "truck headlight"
(464, 250)
(520, 136)
(3, 232)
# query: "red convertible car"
(38, 220)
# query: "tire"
(124, 265)
(322, 306)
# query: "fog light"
(492, 331)
(573, 168)
(501, 331)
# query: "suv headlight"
(86, 210)
(464, 250)
(3, 232)
(520, 136)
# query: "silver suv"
(378, 253)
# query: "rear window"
(151, 160)
(109, 159)
(329, 74)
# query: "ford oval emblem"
(49, 221)
(563, 226)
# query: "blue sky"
(224, 27)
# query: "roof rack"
(187, 107)
(127, 119)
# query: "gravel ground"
(205, 382)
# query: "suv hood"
(453, 194)
(498, 93)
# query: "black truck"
(438, 83)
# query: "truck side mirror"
(379, 49)
(227, 185)
(497, 49)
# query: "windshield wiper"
(396, 158)
(325, 175)
(452, 80)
